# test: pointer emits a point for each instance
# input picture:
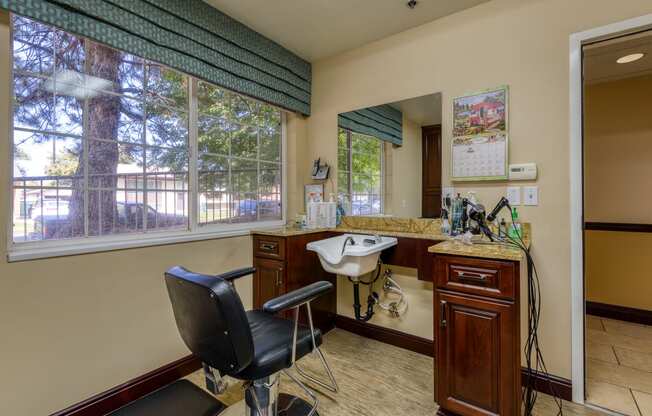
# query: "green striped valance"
(188, 35)
(383, 121)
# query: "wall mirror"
(389, 159)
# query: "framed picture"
(480, 136)
(316, 191)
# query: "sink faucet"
(378, 238)
(346, 240)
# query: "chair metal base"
(288, 405)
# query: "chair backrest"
(211, 319)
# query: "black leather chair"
(254, 345)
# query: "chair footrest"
(179, 398)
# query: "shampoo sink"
(351, 254)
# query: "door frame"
(577, 40)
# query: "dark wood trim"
(621, 313)
(125, 393)
(551, 385)
(562, 386)
(388, 336)
(615, 226)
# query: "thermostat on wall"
(523, 172)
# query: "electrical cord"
(536, 366)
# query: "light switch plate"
(513, 195)
(531, 195)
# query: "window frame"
(349, 171)
(20, 251)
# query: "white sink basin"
(357, 259)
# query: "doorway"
(617, 154)
(431, 168)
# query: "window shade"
(383, 121)
(188, 35)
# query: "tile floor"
(619, 366)
(377, 379)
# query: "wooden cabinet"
(269, 280)
(284, 264)
(411, 252)
(477, 346)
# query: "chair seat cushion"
(272, 337)
(179, 398)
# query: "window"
(107, 143)
(360, 172)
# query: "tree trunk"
(103, 121)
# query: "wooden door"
(478, 359)
(269, 280)
(431, 168)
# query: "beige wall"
(616, 274)
(522, 43)
(403, 173)
(417, 319)
(618, 168)
(618, 151)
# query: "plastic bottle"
(515, 229)
(456, 215)
(445, 225)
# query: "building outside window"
(107, 143)
(360, 173)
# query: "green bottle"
(515, 229)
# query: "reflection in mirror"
(389, 159)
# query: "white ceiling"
(600, 58)
(316, 29)
(424, 111)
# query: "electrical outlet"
(513, 195)
(531, 195)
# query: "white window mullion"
(258, 175)
(193, 174)
(86, 181)
(145, 102)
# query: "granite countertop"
(289, 231)
(427, 229)
(484, 248)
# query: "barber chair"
(254, 346)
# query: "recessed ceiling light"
(630, 58)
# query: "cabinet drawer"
(269, 246)
(492, 278)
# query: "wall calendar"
(480, 138)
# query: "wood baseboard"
(551, 385)
(388, 336)
(621, 227)
(118, 396)
(563, 387)
(621, 313)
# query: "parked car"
(130, 218)
(248, 208)
(359, 207)
(49, 208)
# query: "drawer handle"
(279, 281)
(442, 314)
(268, 246)
(474, 276)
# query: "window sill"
(61, 248)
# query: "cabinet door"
(269, 280)
(478, 360)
